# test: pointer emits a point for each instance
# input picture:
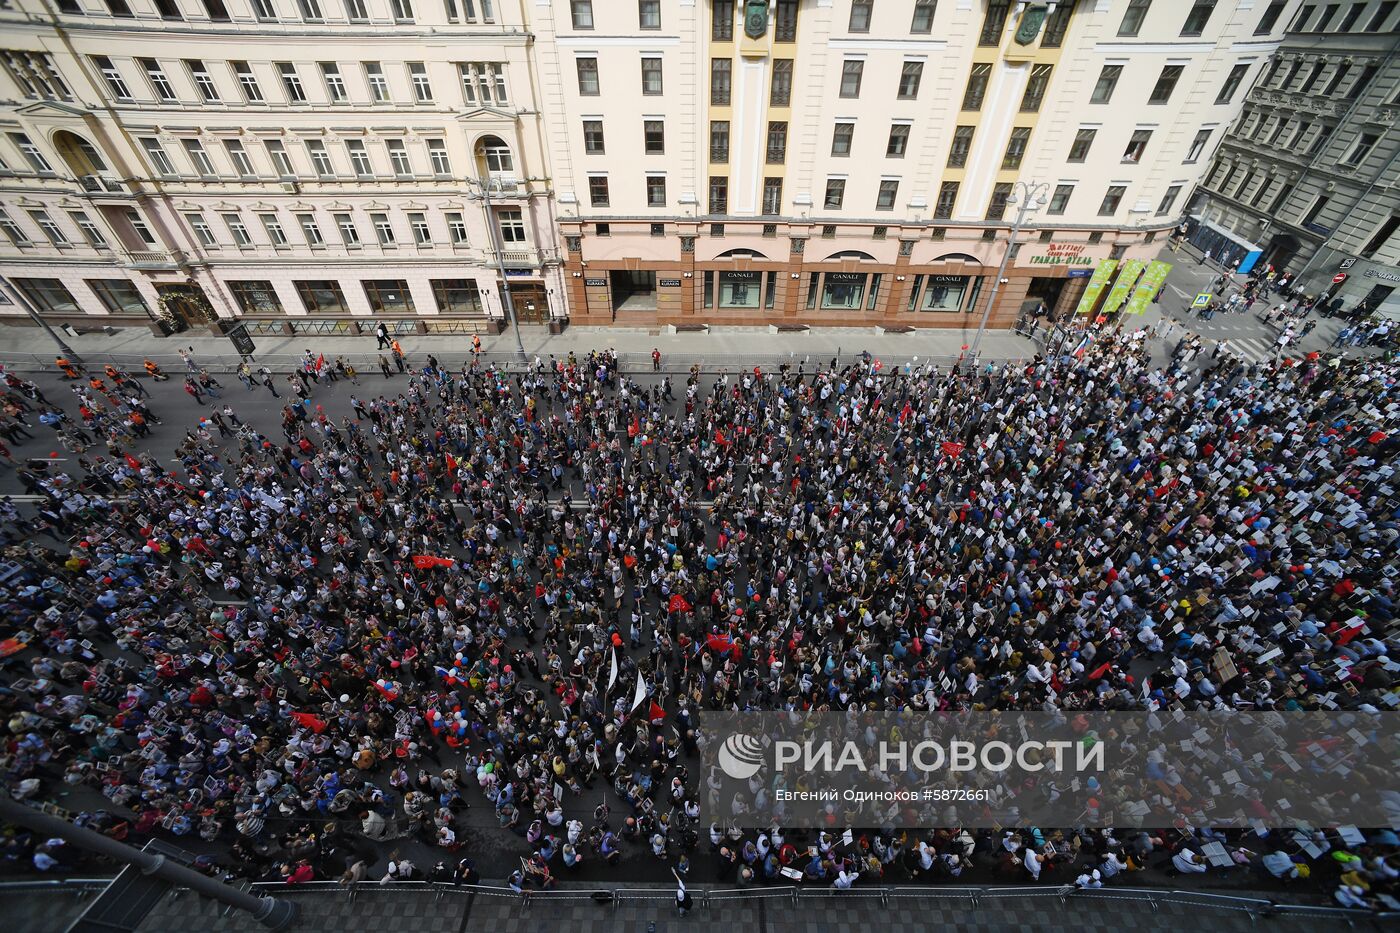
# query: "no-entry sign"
(1339, 278)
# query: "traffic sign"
(1347, 263)
(1201, 300)
(1339, 278)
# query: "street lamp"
(508, 301)
(1032, 197)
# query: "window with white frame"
(237, 230)
(383, 229)
(264, 10)
(158, 156)
(201, 228)
(511, 223)
(335, 83)
(403, 10)
(12, 230)
(398, 157)
(280, 159)
(359, 157)
(422, 234)
(159, 82)
(349, 234)
(239, 157)
(310, 230)
(422, 89)
(203, 165)
(275, 234)
(31, 153)
(320, 158)
(483, 82)
(310, 10)
(203, 80)
(457, 229)
(378, 84)
(112, 76)
(356, 11)
(51, 230)
(296, 94)
(248, 81)
(437, 155)
(91, 232)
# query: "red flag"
(320, 362)
(1377, 436)
(678, 604)
(720, 643)
(656, 714)
(427, 561)
(311, 722)
(133, 462)
(719, 438)
(952, 448)
(451, 461)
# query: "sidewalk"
(29, 348)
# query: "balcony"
(101, 184)
(154, 258)
(523, 257)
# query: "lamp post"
(19, 298)
(507, 300)
(1031, 197)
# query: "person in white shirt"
(1034, 862)
(844, 880)
(1188, 863)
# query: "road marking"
(1179, 292)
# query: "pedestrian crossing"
(1251, 349)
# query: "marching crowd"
(503, 590)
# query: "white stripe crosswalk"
(1251, 349)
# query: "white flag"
(641, 693)
(612, 676)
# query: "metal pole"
(270, 912)
(23, 302)
(1027, 192)
(508, 302)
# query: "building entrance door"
(531, 302)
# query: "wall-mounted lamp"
(690, 275)
(899, 278)
(796, 275)
(578, 275)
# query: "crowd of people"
(304, 650)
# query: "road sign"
(1339, 278)
(1347, 263)
(1201, 300)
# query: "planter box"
(558, 325)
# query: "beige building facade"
(318, 166)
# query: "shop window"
(843, 291)
(740, 289)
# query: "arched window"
(741, 252)
(851, 254)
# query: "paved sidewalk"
(29, 348)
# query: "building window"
(996, 207)
(203, 165)
(398, 158)
(1057, 26)
(772, 196)
(359, 158)
(1198, 17)
(335, 83)
(582, 13)
(922, 23)
(1313, 212)
(1166, 82)
(909, 78)
(722, 21)
(388, 296)
(656, 191)
(587, 76)
(12, 230)
(602, 229)
(785, 21)
(1035, 88)
(422, 233)
(237, 230)
(141, 229)
(1131, 24)
(457, 229)
(1380, 16)
(1137, 145)
(841, 139)
(1111, 199)
(1168, 199)
(51, 230)
(280, 160)
(157, 155)
(962, 144)
(719, 195)
(511, 224)
(119, 296)
(648, 14)
(484, 82)
(321, 297)
(994, 22)
(976, 86)
(112, 76)
(598, 190)
(889, 190)
(1016, 147)
(1079, 149)
(1362, 82)
(1364, 144)
(456, 296)
(418, 76)
(1352, 16)
(48, 295)
(719, 141)
(1108, 80)
(776, 150)
(835, 194)
(255, 297)
(593, 137)
(947, 197)
(201, 229)
(651, 76)
(349, 233)
(275, 234)
(1232, 83)
(1270, 17)
(780, 91)
(159, 82)
(1198, 145)
(1059, 200)
(721, 74)
(91, 232)
(654, 137)
(378, 84)
(851, 72)
(238, 156)
(1317, 69)
(265, 11)
(860, 16)
(898, 142)
(248, 82)
(310, 230)
(1382, 236)
(296, 94)
(437, 155)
